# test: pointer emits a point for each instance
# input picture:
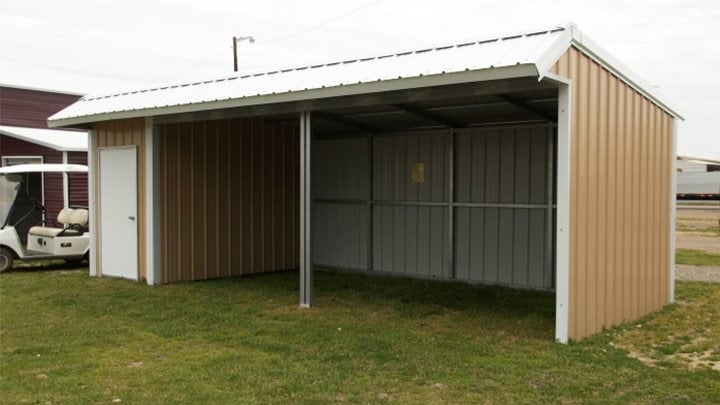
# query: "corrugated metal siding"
(340, 231)
(53, 192)
(620, 199)
(410, 220)
(78, 182)
(411, 240)
(124, 133)
(31, 108)
(230, 198)
(503, 245)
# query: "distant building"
(25, 138)
(698, 179)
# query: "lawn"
(697, 257)
(69, 338)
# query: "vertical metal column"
(153, 222)
(562, 224)
(66, 182)
(451, 202)
(306, 265)
(370, 196)
(549, 236)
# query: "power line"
(80, 72)
(323, 23)
(284, 37)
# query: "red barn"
(25, 138)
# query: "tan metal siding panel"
(125, 133)
(620, 182)
(229, 198)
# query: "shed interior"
(450, 182)
(457, 186)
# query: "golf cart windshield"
(8, 190)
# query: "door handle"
(131, 217)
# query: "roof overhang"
(307, 96)
(59, 140)
(530, 55)
(44, 168)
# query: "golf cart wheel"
(6, 259)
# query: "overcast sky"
(92, 46)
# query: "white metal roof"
(529, 54)
(66, 141)
(44, 167)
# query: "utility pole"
(248, 38)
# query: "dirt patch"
(698, 229)
(709, 274)
(691, 360)
(698, 241)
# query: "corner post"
(92, 210)
(153, 225)
(673, 210)
(306, 264)
(562, 226)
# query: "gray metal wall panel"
(505, 166)
(340, 231)
(340, 235)
(340, 171)
(393, 158)
(411, 240)
(502, 245)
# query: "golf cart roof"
(43, 167)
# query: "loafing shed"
(534, 161)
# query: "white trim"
(673, 209)
(153, 256)
(605, 59)
(562, 227)
(443, 79)
(66, 182)
(92, 192)
(553, 54)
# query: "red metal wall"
(78, 182)
(31, 108)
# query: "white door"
(118, 213)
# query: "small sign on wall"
(417, 173)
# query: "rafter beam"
(431, 116)
(359, 125)
(524, 105)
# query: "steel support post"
(306, 264)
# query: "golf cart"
(25, 234)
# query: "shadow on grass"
(45, 265)
(332, 287)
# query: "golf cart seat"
(72, 219)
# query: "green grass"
(69, 338)
(697, 257)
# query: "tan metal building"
(534, 161)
